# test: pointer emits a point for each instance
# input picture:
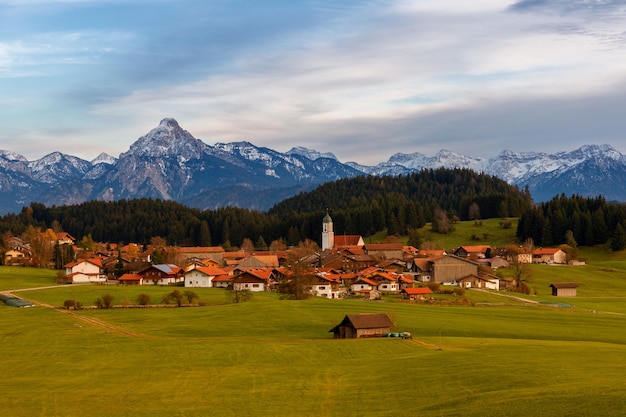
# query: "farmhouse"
(162, 274)
(202, 276)
(362, 325)
(480, 280)
(564, 289)
(384, 250)
(255, 280)
(549, 256)
(473, 252)
(326, 285)
(85, 270)
(415, 293)
(17, 257)
(131, 279)
(450, 269)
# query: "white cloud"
(390, 72)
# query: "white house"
(202, 276)
(84, 271)
(327, 286)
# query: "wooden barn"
(362, 325)
(450, 269)
(564, 289)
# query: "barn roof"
(564, 285)
(366, 321)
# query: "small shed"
(564, 289)
(362, 325)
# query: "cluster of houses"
(345, 265)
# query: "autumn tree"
(278, 245)
(474, 212)
(247, 245)
(441, 223)
(295, 285)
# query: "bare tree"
(523, 274)
(190, 296)
(295, 285)
(441, 223)
(247, 245)
(175, 296)
(474, 212)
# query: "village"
(345, 266)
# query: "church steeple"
(328, 236)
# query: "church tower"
(328, 236)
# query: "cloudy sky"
(363, 79)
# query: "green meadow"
(270, 356)
(494, 354)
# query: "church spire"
(328, 236)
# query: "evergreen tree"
(618, 241)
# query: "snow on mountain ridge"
(104, 158)
(311, 154)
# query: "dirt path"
(524, 300)
(85, 319)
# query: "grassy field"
(270, 356)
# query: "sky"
(363, 79)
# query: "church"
(330, 241)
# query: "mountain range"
(169, 163)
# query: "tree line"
(362, 205)
(588, 221)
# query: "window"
(255, 285)
(322, 288)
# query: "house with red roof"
(202, 276)
(476, 251)
(222, 281)
(549, 256)
(416, 293)
(364, 285)
(327, 285)
(255, 280)
(162, 274)
(130, 279)
(85, 271)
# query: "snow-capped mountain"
(587, 171)
(311, 154)
(169, 163)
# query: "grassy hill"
(267, 356)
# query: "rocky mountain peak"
(169, 123)
(104, 158)
(168, 139)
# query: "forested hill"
(362, 205)
(408, 201)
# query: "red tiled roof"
(477, 248)
(210, 270)
(130, 277)
(347, 240)
(200, 249)
(545, 251)
(417, 291)
(223, 278)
